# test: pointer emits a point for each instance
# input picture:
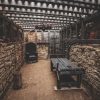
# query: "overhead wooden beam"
(76, 3)
(41, 8)
(41, 19)
(65, 2)
(38, 14)
(45, 17)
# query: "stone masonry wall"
(88, 57)
(11, 59)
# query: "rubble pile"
(11, 59)
(88, 57)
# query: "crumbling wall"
(88, 57)
(32, 37)
(11, 59)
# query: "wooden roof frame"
(86, 8)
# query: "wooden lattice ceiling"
(57, 13)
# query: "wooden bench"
(67, 73)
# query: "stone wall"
(11, 59)
(88, 57)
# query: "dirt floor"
(38, 84)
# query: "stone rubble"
(11, 59)
(88, 57)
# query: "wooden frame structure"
(57, 13)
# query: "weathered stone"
(11, 59)
(88, 57)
